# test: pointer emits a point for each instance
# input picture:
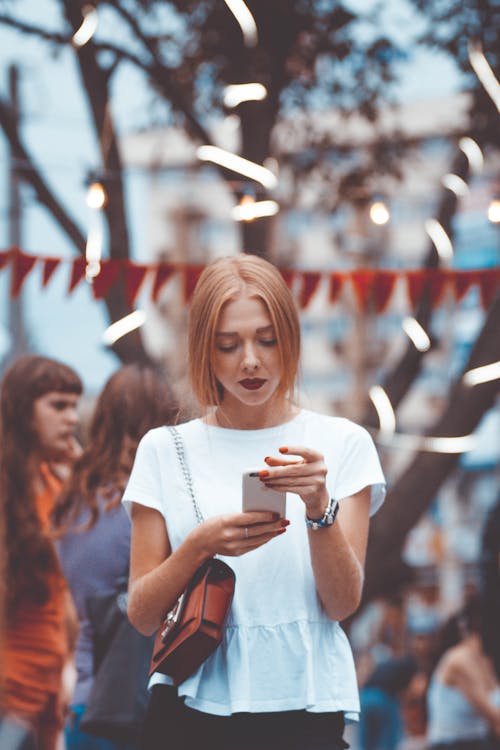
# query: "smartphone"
(256, 496)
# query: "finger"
(302, 490)
(253, 532)
(292, 471)
(252, 517)
(273, 461)
(308, 454)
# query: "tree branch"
(416, 488)
(161, 76)
(34, 178)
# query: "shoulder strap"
(181, 455)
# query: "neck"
(253, 418)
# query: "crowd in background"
(65, 544)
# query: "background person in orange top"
(38, 419)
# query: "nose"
(72, 417)
(250, 361)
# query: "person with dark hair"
(283, 676)
(463, 699)
(92, 526)
(381, 727)
(38, 419)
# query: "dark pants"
(170, 725)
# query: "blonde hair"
(221, 282)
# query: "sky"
(55, 118)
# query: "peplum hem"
(299, 665)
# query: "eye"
(268, 342)
(226, 347)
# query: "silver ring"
(246, 532)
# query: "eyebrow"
(265, 329)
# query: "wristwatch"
(326, 519)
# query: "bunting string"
(372, 288)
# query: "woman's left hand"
(306, 477)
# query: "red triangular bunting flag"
(21, 266)
(437, 279)
(336, 283)
(288, 276)
(363, 282)
(462, 282)
(49, 266)
(489, 281)
(310, 281)
(190, 277)
(416, 283)
(134, 276)
(383, 286)
(102, 283)
(77, 273)
(163, 272)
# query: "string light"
(86, 31)
(123, 326)
(244, 92)
(482, 374)
(93, 249)
(238, 164)
(484, 72)
(96, 200)
(473, 153)
(96, 196)
(456, 184)
(441, 241)
(416, 334)
(379, 213)
(494, 211)
(241, 12)
(461, 444)
(385, 412)
(249, 209)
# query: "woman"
(94, 529)
(38, 403)
(284, 674)
(463, 699)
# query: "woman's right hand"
(234, 535)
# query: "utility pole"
(19, 340)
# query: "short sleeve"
(144, 484)
(360, 467)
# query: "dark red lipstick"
(252, 384)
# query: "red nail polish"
(281, 531)
(267, 458)
(284, 450)
(264, 473)
(285, 522)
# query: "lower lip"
(253, 386)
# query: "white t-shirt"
(280, 651)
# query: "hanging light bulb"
(88, 26)
(249, 209)
(96, 196)
(494, 211)
(379, 213)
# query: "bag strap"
(181, 455)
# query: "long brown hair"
(134, 400)
(30, 554)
